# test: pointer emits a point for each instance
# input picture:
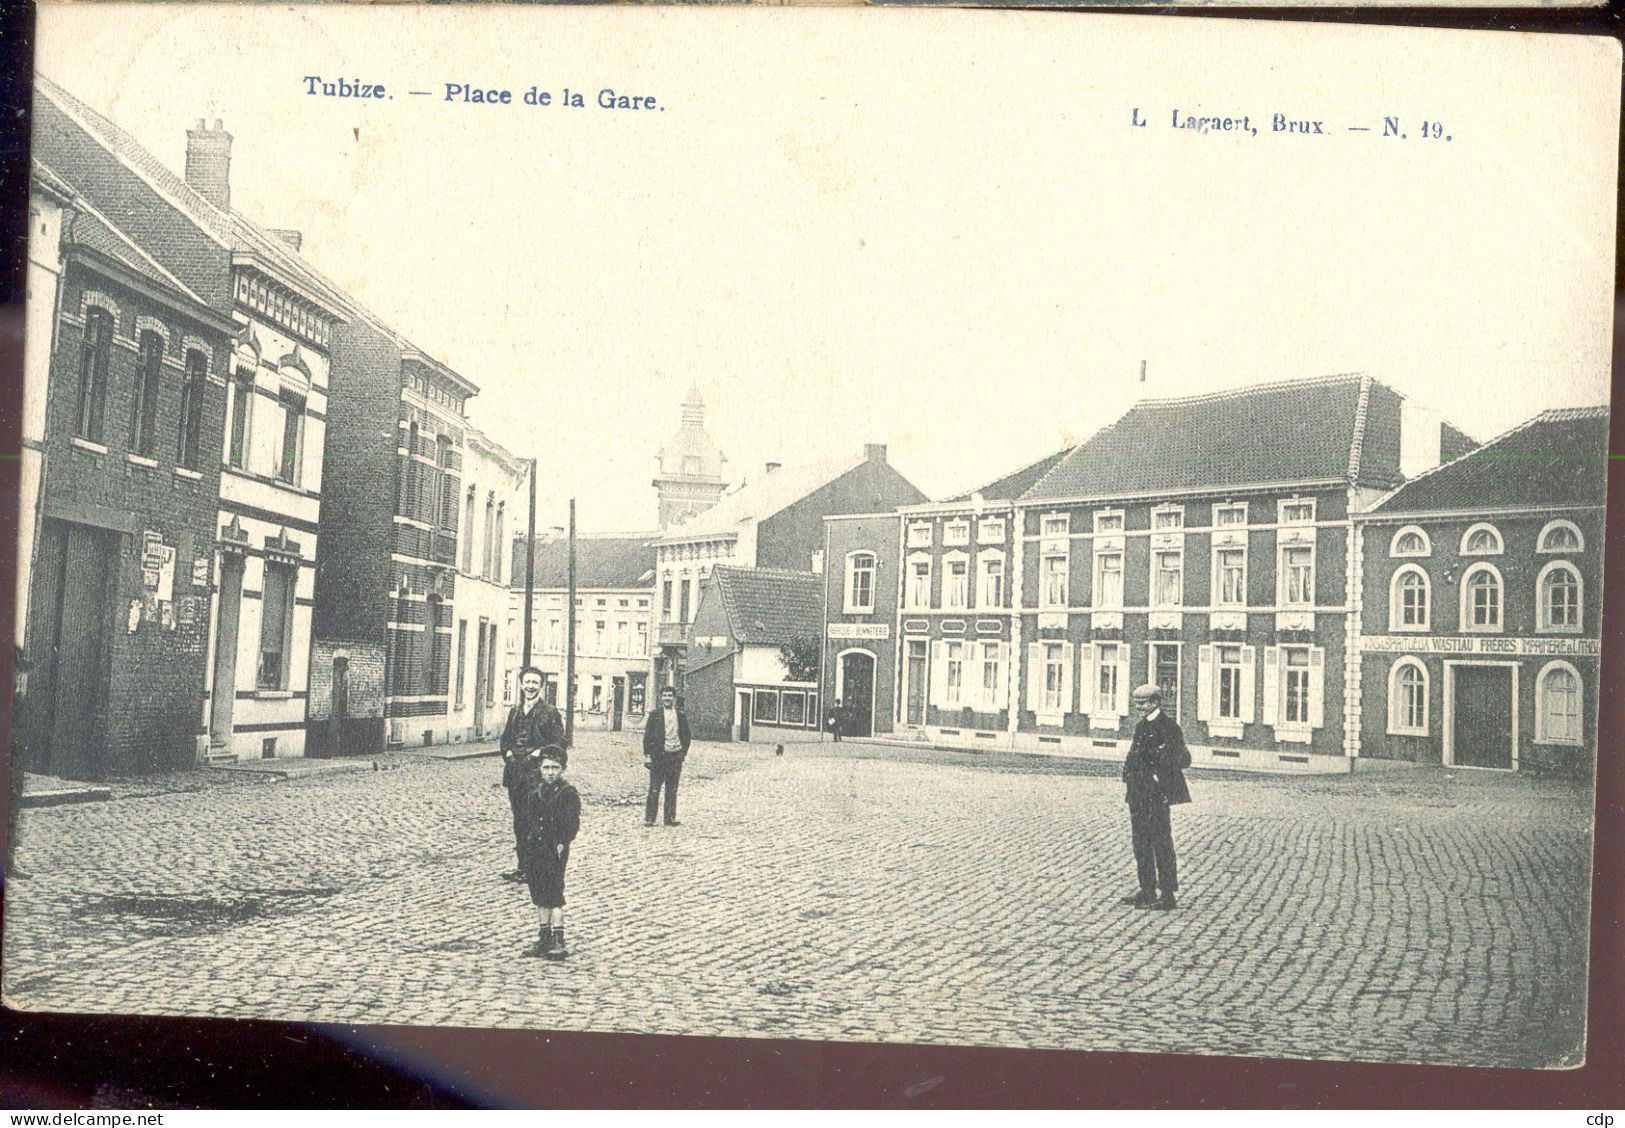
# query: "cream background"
(933, 229)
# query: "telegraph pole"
(570, 638)
(530, 561)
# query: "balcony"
(672, 634)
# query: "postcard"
(1016, 529)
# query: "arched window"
(1561, 536)
(501, 539)
(93, 350)
(860, 581)
(1408, 698)
(409, 474)
(191, 420)
(1408, 600)
(1481, 539)
(1557, 592)
(1481, 599)
(468, 531)
(1410, 541)
(148, 378)
(1557, 704)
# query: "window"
(1481, 539)
(1296, 685)
(1408, 600)
(1299, 511)
(992, 594)
(468, 531)
(766, 706)
(555, 634)
(990, 530)
(1109, 579)
(187, 452)
(954, 673)
(1165, 519)
(1408, 698)
(860, 582)
(666, 604)
(1232, 572)
(691, 465)
(919, 535)
(1164, 667)
(1230, 667)
(1481, 599)
(1110, 521)
(956, 583)
(1410, 541)
(1053, 579)
(276, 625)
(1055, 525)
(990, 675)
(793, 708)
(242, 406)
(956, 532)
(1557, 704)
(598, 637)
(462, 658)
(1230, 514)
(623, 637)
(1297, 576)
(1559, 595)
(596, 701)
(1561, 536)
(1054, 677)
(919, 583)
(409, 474)
(446, 513)
(1168, 579)
(432, 645)
(685, 588)
(1108, 697)
(497, 543)
(643, 638)
(144, 422)
(292, 451)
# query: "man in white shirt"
(665, 744)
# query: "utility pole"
(530, 561)
(570, 639)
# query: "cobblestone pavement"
(838, 893)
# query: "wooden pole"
(570, 639)
(530, 561)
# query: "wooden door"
(1481, 717)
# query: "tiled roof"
(1295, 431)
(769, 605)
(602, 562)
(759, 499)
(1559, 458)
(1017, 482)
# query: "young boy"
(553, 815)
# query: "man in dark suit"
(1155, 778)
(665, 743)
(532, 725)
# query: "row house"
(1480, 605)
(754, 663)
(772, 521)
(614, 620)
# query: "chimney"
(208, 163)
(293, 238)
(772, 466)
(874, 452)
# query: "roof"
(1017, 482)
(769, 606)
(1558, 459)
(602, 562)
(1292, 431)
(760, 499)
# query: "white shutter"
(1125, 688)
(1317, 687)
(1087, 681)
(1249, 673)
(1002, 692)
(1067, 703)
(1204, 683)
(939, 674)
(1035, 677)
(1272, 685)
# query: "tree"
(802, 656)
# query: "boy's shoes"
(1163, 903)
(514, 875)
(1143, 899)
(555, 947)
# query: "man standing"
(665, 743)
(532, 725)
(1155, 779)
(837, 720)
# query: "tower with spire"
(690, 478)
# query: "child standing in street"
(553, 815)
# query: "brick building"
(860, 593)
(613, 619)
(740, 684)
(775, 520)
(1480, 604)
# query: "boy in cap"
(553, 815)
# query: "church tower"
(691, 467)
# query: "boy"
(552, 816)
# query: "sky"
(935, 230)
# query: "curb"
(61, 797)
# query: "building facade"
(1480, 604)
(692, 472)
(860, 592)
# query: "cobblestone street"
(850, 893)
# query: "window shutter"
(939, 674)
(1317, 687)
(1272, 685)
(1087, 680)
(1124, 687)
(1035, 676)
(1002, 682)
(1068, 705)
(1204, 684)
(1249, 674)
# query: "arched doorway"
(855, 687)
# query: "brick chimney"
(874, 452)
(208, 163)
(293, 238)
(772, 466)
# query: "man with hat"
(532, 725)
(1155, 778)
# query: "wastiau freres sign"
(1467, 644)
